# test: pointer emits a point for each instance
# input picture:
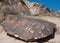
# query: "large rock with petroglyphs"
(27, 29)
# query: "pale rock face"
(29, 4)
(58, 12)
(34, 10)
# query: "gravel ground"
(6, 39)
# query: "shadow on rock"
(39, 40)
(47, 38)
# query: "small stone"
(1, 29)
(36, 38)
(16, 35)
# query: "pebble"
(1, 29)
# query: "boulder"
(27, 29)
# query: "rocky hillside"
(31, 10)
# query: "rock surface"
(25, 8)
(27, 29)
(4, 38)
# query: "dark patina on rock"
(26, 28)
